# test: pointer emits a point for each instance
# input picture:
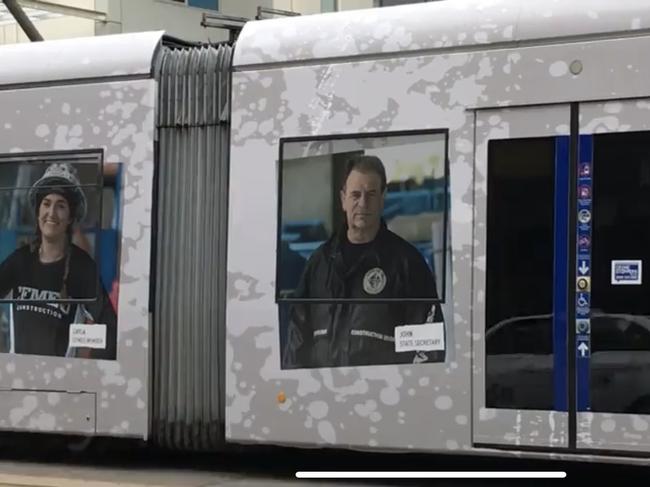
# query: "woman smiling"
(53, 283)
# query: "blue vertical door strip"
(583, 346)
(560, 274)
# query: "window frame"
(186, 3)
(45, 158)
(380, 3)
(441, 299)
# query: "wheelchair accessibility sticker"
(626, 272)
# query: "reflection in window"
(620, 333)
(620, 321)
(519, 274)
(206, 4)
(526, 335)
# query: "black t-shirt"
(40, 324)
(352, 252)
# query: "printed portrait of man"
(365, 262)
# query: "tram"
(515, 140)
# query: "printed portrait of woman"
(52, 282)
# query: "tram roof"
(441, 25)
(78, 58)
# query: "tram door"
(520, 277)
(612, 268)
(562, 277)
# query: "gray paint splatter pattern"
(423, 407)
(119, 118)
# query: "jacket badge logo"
(374, 281)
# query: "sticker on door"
(626, 272)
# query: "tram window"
(49, 202)
(526, 335)
(335, 202)
(362, 231)
(620, 314)
(619, 333)
(519, 273)
(58, 253)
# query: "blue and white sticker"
(585, 170)
(626, 272)
(583, 326)
(582, 305)
(582, 346)
(583, 266)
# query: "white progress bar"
(431, 475)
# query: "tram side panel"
(391, 406)
(83, 367)
(298, 127)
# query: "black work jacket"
(351, 334)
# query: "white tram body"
(65, 97)
(486, 113)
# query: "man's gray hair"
(366, 164)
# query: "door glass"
(619, 366)
(520, 265)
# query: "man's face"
(362, 200)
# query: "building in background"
(62, 19)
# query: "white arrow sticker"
(584, 267)
(584, 348)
